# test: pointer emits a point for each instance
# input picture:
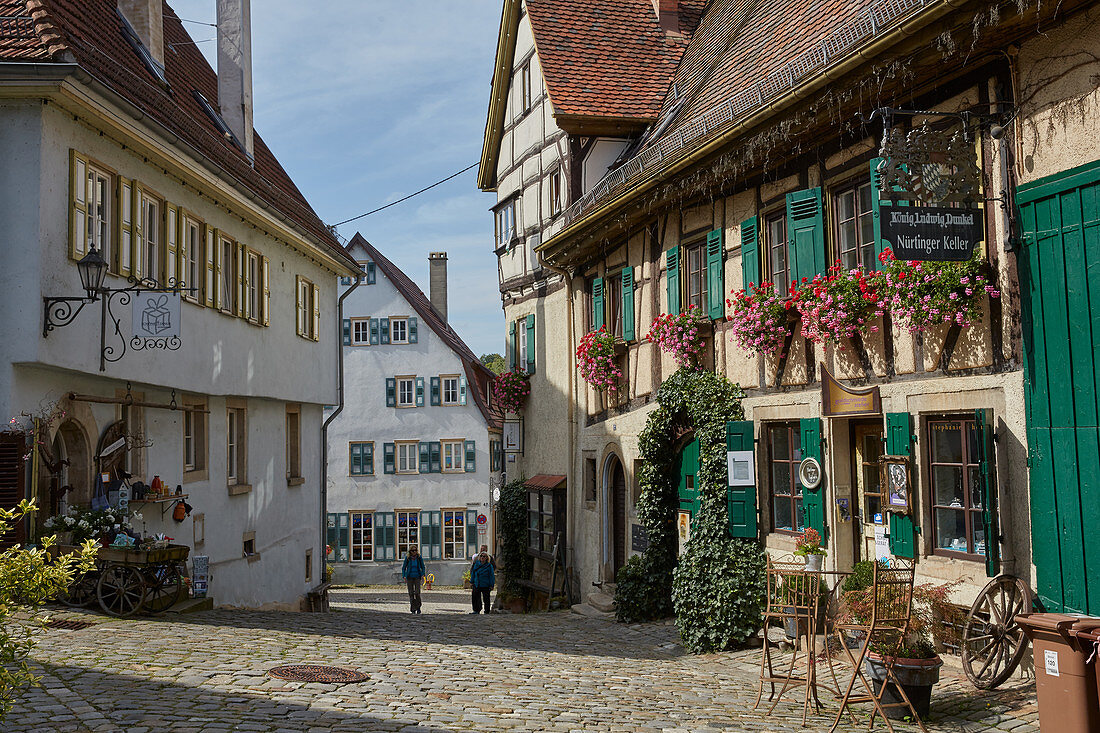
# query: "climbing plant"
(512, 514)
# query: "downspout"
(337, 411)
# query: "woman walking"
(412, 570)
(482, 578)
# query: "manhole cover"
(67, 623)
(316, 673)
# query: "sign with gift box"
(156, 315)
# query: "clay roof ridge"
(48, 35)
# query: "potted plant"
(682, 335)
(808, 547)
(466, 579)
(792, 590)
(597, 360)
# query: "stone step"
(586, 610)
(192, 605)
(601, 601)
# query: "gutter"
(805, 89)
(330, 418)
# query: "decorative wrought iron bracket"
(59, 312)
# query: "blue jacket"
(482, 575)
(413, 569)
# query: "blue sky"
(364, 102)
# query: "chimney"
(437, 282)
(147, 20)
(235, 69)
(668, 14)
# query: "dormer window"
(155, 67)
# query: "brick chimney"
(235, 69)
(147, 20)
(668, 14)
(437, 282)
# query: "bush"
(863, 574)
(512, 513)
(635, 600)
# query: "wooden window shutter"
(389, 457)
(716, 281)
(628, 304)
(461, 389)
(12, 483)
(899, 442)
(471, 457)
(78, 205)
(425, 456)
(672, 279)
(374, 332)
(412, 331)
(333, 537)
(420, 391)
(435, 455)
(242, 279)
(370, 273)
(741, 500)
(876, 212)
(750, 254)
(391, 392)
(347, 331)
(434, 388)
(806, 234)
(220, 296)
(171, 242)
(368, 459)
(384, 330)
(427, 548)
(209, 257)
(985, 432)
(598, 312)
(137, 227)
(510, 346)
(124, 204)
(316, 335)
(355, 459)
(471, 532)
(383, 535)
(265, 299)
(530, 343)
(813, 502)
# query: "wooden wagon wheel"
(993, 643)
(82, 591)
(163, 587)
(121, 590)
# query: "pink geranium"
(596, 360)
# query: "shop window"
(408, 532)
(784, 455)
(695, 261)
(777, 268)
(957, 526)
(454, 534)
(362, 536)
(854, 230)
(453, 451)
(545, 520)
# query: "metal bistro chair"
(793, 595)
(892, 591)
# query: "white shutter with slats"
(300, 306)
(242, 280)
(219, 287)
(125, 248)
(208, 266)
(316, 313)
(171, 238)
(265, 302)
(78, 212)
(137, 258)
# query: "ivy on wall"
(716, 588)
(512, 515)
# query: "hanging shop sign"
(156, 321)
(740, 469)
(838, 400)
(932, 233)
(512, 435)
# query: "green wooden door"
(1060, 222)
(688, 489)
(813, 501)
(741, 499)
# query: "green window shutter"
(510, 346)
(374, 332)
(806, 230)
(740, 500)
(628, 304)
(437, 534)
(347, 332)
(471, 456)
(985, 431)
(370, 273)
(461, 389)
(425, 535)
(420, 391)
(471, 532)
(425, 459)
(342, 532)
(333, 535)
(383, 535)
(672, 279)
(813, 502)
(391, 392)
(389, 458)
(384, 328)
(597, 304)
(899, 442)
(716, 287)
(355, 456)
(435, 391)
(750, 254)
(435, 457)
(368, 459)
(531, 343)
(412, 330)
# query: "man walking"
(412, 570)
(482, 578)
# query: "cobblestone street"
(440, 671)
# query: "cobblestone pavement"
(441, 671)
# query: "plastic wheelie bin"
(1065, 684)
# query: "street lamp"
(92, 268)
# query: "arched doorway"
(615, 506)
(72, 467)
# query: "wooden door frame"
(856, 508)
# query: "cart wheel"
(82, 591)
(163, 587)
(993, 643)
(121, 590)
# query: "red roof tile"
(92, 33)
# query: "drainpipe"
(337, 411)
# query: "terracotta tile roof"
(478, 376)
(544, 481)
(608, 58)
(89, 32)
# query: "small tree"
(28, 578)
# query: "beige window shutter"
(124, 199)
(265, 302)
(78, 209)
(316, 313)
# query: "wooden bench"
(318, 597)
(544, 589)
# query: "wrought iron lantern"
(92, 268)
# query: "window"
(956, 489)
(360, 331)
(228, 281)
(777, 270)
(452, 456)
(450, 390)
(784, 455)
(407, 457)
(555, 193)
(248, 546)
(362, 536)
(545, 519)
(194, 438)
(97, 194)
(518, 338)
(236, 446)
(406, 392)
(613, 296)
(133, 420)
(309, 566)
(408, 532)
(308, 309)
(252, 288)
(590, 490)
(399, 330)
(506, 224)
(361, 459)
(525, 87)
(855, 231)
(192, 252)
(293, 443)
(150, 262)
(454, 534)
(695, 259)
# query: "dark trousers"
(413, 584)
(480, 598)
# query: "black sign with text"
(639, 538)
(931, 233)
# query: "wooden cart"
(126, 581)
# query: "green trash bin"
(1065, 683)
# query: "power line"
(394, 203)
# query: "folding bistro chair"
(792, 596)
(892, 590)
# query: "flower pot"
(801, 630)
(917, 676)
(517, 605)
(467, 584)
(814, 562)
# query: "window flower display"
(838, 304)
(681, 335)
(596, 360)
(759, 319)
(924, 294)
(510, 389)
